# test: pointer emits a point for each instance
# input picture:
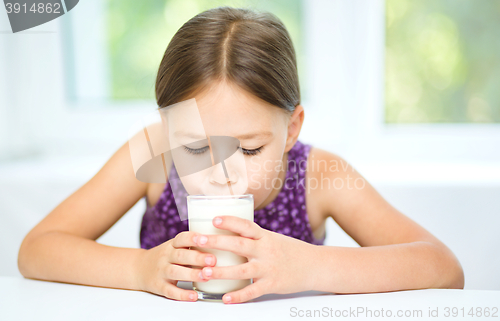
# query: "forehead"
(226, 109)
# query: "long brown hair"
(252, 49)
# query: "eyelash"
(247, 152)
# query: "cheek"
(191, 183)
(261, 174)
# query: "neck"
(279, 185)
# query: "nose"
(219, 172)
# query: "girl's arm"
(395, 267)
(395, 254)
(62, 246)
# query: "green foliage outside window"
(442, 61)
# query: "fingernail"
(208, 271)
(227, 298)
(208, 260)
(191, 296)
(195, 238)
(203, 239)
(217, 221)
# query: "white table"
(26, 299)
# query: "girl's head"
(241, 68)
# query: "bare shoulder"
(157, 135)
(328, 171)
(319, 162)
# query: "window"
(347, 112)
(442, 61)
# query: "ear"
(294, 127)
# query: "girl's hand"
(277, 263)
(164, 265)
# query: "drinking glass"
(201, 211)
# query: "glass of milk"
(201, 211)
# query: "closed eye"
(195, 151)
(198, 151)
(251, 152)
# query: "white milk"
(200, 214)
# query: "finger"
(239, 225)
(184, 239)
(243, 271)
(249, 292)
(191, 257)
(171, 291)
(183, 273)
(241, 246)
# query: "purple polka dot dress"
(286, 214)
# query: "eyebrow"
(265, 134)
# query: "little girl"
(240, 66)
